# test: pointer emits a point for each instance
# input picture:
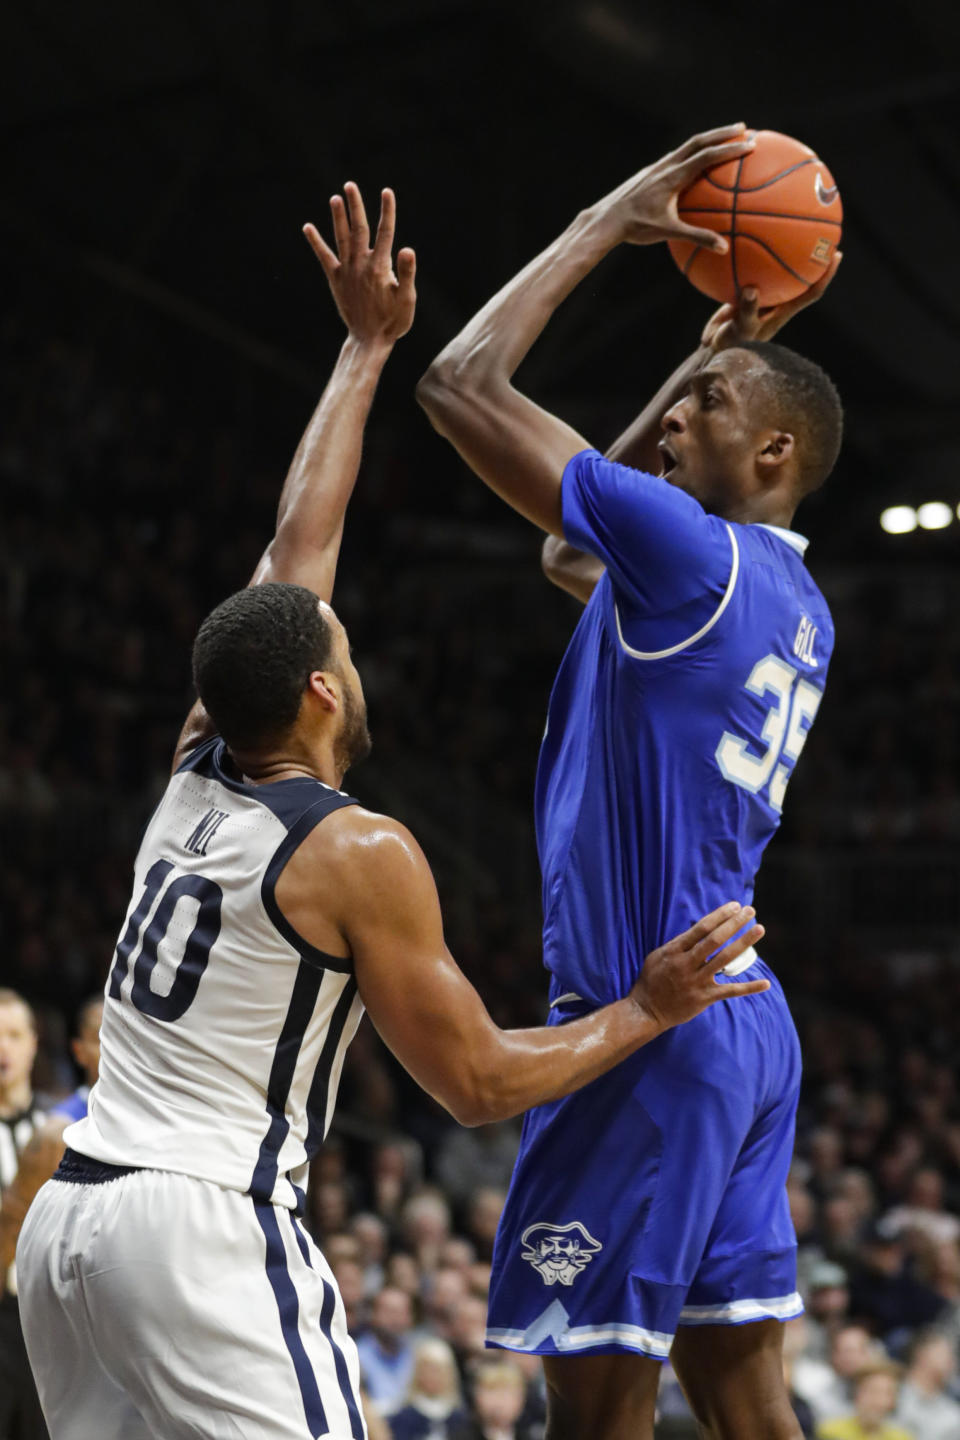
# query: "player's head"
(18, 1042)
(85, 1044)
(759, 429)
(272, 667)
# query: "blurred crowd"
(125, 522)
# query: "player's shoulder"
(356, 840)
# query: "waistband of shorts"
(79, 1169)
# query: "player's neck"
(290, 763)
(15, 1099)
(762, 510)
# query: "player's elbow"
(439, 391)
(454, 387)
(478, 1095)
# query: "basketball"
(781, 213)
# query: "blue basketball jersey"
(676, 718)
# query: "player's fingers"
(709, 137)
(744, 987)
(359, 226)
(733, 950)
(321, 249)
(713, 155)
(814, 292)
(341, 228)
(406, 268)
(709, 239)
(705, 953)
(383, 244)
(706, 926)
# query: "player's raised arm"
(368, 875)
(517, 448)
(377, 305)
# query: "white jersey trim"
(793, 538)
(580, 1337)
(685, 644)
(740, 1312)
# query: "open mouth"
(667, 458)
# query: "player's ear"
(777, 447)
(325, 687)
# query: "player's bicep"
(516, 447)
(421, 1003)
(662, 550)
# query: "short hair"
(807, 404)
(13, 997)
(253, 656)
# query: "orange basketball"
(780, 210)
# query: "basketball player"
(168, 1287)
(43, 1151)
(20, 1119)
(651, 1204)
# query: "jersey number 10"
(196, 951)
(784, 731)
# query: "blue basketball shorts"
(656, 1196)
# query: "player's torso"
(662, 778)
(223, 1033)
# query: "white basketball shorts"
(159, 1307)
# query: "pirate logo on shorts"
(559, 1252)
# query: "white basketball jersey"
(223, 1031)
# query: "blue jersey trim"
(326, 1325)
(300, 802)
(295, 836)
(306, 990)
(320, 1087)
(288, 1306)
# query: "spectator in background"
(923, 1213)
(373, 1240)
(386, 1349)
(827, 1306)
(482, 1219)
(925, 1406)
(443, 1291)
(469, 1160)
(397, 1168)
(433, 1402)
(20, 1117)
(425, 1224)
(875, 1400)
(349, 1278)
(828, 1387)
(499, 1396)
(884, 1292)
(468, 1336)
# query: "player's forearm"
(323, 472)
(489, 349)
(637, 446)
(523, 1068)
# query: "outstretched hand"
(643, 209)
(374, 302)
(678, 980)
(732, 324)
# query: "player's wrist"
(372, 351)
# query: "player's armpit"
(570, 569)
